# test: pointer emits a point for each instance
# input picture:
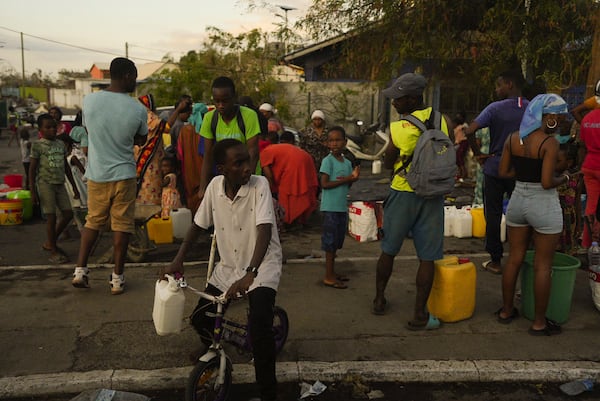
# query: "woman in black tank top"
(529, 156)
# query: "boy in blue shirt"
(336, 176)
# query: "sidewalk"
(57, 339)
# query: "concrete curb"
(157, 265)
(381, 371)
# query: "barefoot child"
(170, 194)
(336, 176)
(47, 176)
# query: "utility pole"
(285, 29)
(22, 65)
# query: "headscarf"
(148, 101)
(198, 112)
(547, 103)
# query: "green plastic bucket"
(25, 197)
(564, 269)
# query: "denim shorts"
(533, 206)
(335, 225)
(404, 212)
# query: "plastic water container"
(11, 212)
(564, 269)
(594, 272)
(463, 223)
(503, 228)
(478, 227)
(14, 180)
(169, 302)
(182, 220)
(449, 214)
(160, 230)
(25, 197)
(452, 296)
(376, 167)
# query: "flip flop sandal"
(433, 323)
(508, 319)
(552, 328)
(487, 265)
(342, 278)
(336, 284)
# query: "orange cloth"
(191, 164)
(295, 179)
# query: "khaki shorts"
(111, 199)
(52, 197)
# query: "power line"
(77, 46)
(149, 48)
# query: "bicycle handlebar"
(217, 299)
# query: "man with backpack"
(227, 120)
(405, 210)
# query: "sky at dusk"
(97, 31)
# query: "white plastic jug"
(449, 216)
(182, 220)
(503, 228)
(463, 223)
(376, 167)
(169, 301)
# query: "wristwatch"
(253, 270)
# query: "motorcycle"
(369, 143)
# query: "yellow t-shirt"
(404, 136)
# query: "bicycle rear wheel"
(280, 327)
(202, 382)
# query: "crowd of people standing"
(234, 166)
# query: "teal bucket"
(564, 269)
(25, 197)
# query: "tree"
(473, 38)
(241, 57)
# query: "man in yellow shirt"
(406, 212)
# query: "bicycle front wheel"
(202, 382)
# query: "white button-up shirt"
(235, 223)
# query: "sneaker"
(80, 278)
(117, 284)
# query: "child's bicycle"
(210, 380)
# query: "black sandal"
(552, 328)
(508, 319)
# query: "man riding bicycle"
(240, 208)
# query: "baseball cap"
(317, 114)
(409, 84)
(266, 107)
